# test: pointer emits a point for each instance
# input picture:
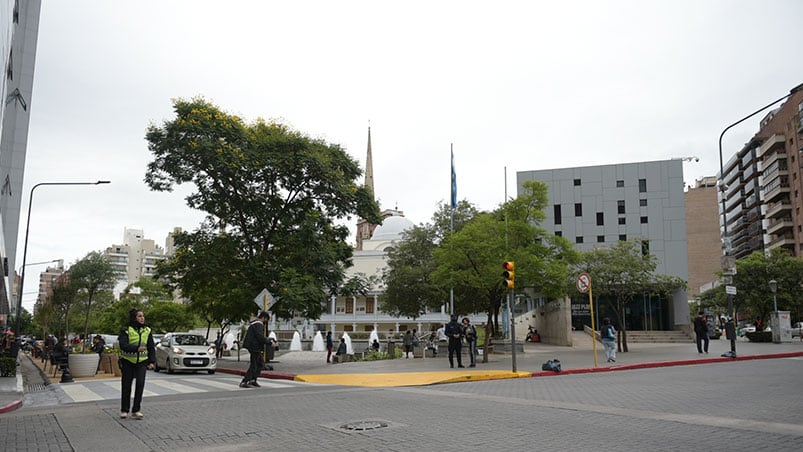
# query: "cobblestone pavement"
(736, 405)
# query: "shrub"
(8, 367)
(759, 336)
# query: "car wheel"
(169, 367)
(211, 372)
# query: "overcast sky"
(524, 85)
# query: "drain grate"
(362, 426)
(36, 387)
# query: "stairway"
(677, 337)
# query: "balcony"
(773, 143)
(778, 209)
(782, 241)
(779, 226)
(776, 189)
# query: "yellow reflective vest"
(140, 338)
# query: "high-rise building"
(135, 258)
(47, 280)
(599, 205)
(763, 184)
(19, 29)
(702, 234)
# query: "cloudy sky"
(524, 85)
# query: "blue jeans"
(610, 348)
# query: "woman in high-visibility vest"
(138, 355)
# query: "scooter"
(532, 335)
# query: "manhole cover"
(361, 426)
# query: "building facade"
(702, 235)
(137, 257)
(762, 186)
(597, 206)
(47, 280)
(19, 29)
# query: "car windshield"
(189, 339)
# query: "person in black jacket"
(255, 342)
(138, 353)
(455, 334)
(701, 331)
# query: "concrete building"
(598, 205)
(135, 258)
(763, 183)
(19, 30)
(702, 235)
(47, 280)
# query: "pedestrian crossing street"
(161, 384)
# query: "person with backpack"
(608, 336)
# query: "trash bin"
(391, 349)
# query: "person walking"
(407, 341)
(455, 334)
(470, 333)
(255, 342)
(608, 336)
(138, 354)
(701, 332)
(330, 345)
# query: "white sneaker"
(137, 415)
(123, 415)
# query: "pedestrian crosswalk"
(160, 385)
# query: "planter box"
(108, 363)
(83, 365)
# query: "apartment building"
(134, 258)
(702, 235)
(598, 205)
(47, 280)
(763, 183)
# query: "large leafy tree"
(621, 272)
(752, 281)
(90, 276)
(272, 196)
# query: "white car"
(797, 328)
(185, 352)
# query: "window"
(558, 233)
(623, 237)
(642, 202)
(369, 305)
(577, 182)
(620, 206)
(622, 220)
(578, 209)
(620, 184)
(600, 219)
(643, 220)
(600, 239)
(349, 306)
(557, 213)
(578, 239)
(645, 247)
(642, 185)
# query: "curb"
(264, 374)
(11, 406)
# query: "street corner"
(384, 380)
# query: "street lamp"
(730, 330)
(774, 290)
(25, 247)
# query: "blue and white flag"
(454, 185)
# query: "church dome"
(392, 228)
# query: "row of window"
(645, 244)
(642, 184)
(578, 212)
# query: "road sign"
(730, 290)
(265, 300)
(583, 282)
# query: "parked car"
(747, 329)
(797, 328)
(185, 352)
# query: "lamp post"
(730, 330)
(25, 247)
(774, 290)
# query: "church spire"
(369, 167)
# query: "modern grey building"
(19, 28)
(597, 206)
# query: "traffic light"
(509, 275)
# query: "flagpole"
(451, 222)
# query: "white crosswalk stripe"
(159, 385)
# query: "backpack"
(552, 364)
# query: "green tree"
(410, 291)
(90, 276)
(275, 193)
(621, 272)
(752, 281)
(166, 316)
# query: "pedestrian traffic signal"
(509, 275)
